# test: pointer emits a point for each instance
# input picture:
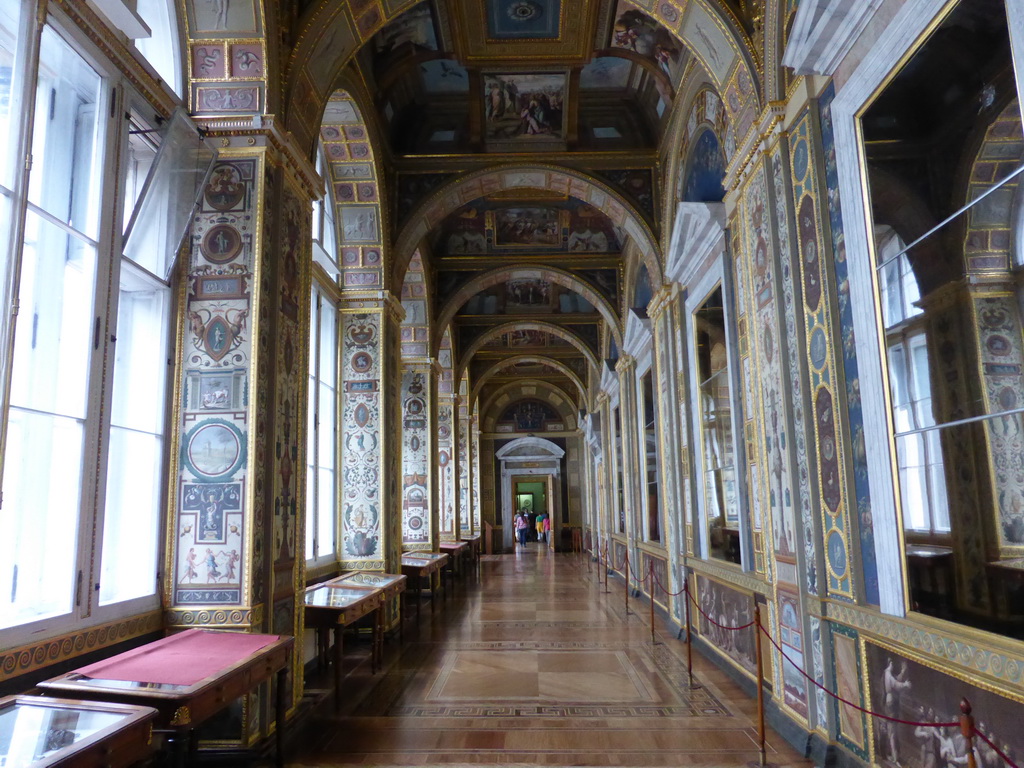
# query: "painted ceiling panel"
(523, 19)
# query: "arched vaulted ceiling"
(523, 330)
(540, 275)
(502, 366)
(523, 149)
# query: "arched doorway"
(523, 460)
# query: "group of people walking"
(532, 526)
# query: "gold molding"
(23, 659)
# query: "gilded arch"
(554, 330)
(551, 274)
(500, 365)
(533, 389)
(331, 32)
(565, 181)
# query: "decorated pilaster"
(235, 560)
(464, 468)
(671, 435)
(417, 395)
(370, 426)
(475, 467)
(445, 467)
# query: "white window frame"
(115, 96)
(322, 294)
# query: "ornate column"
(418, 421)
(464, 470)
(235, 526)
(671, 432)
(446, 471)
(476, 467)
(371, 520)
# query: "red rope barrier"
(669, 594)
(720, 626)
(995, 749)
(836, 696)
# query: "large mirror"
(944, 149)
(718, 464)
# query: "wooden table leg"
(339, 633)
(401, 619)
(180, 745)
(433, 589)
(281, 715)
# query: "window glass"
(321, 441)
(135, 460)
(66, 150)
(10, 74)
(161, 48)
(44, 452)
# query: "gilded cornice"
(660, 301)
(23, 659)
(969, 652)
(263, 130)
(730, 575)
(754, 145)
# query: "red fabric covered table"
(182, 659)
(187, 678)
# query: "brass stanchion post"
(650, 576)
(606, 566)
(625, 574)
(760, 684)
(967, 729)
(689, 630)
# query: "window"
(321, 452)
(649, 412)
(84, 456)
(325, 233)
(161, 48)
(721, 501)
(922, 484)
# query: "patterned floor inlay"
(533, 664)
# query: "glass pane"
(325, 516)
(131, 523)
(135, 462)
(325, 427)
(165, 208)
(33, 732)
(39, 517)
(66, 138)
(10, 22)
(140, 353)
(142, 148)
(311, 443)
(55, 322)
(160, 48)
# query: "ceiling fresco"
(524, 19)
(527, 296)
(497, 226)
(523, 143)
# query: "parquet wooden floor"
(533, 664)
